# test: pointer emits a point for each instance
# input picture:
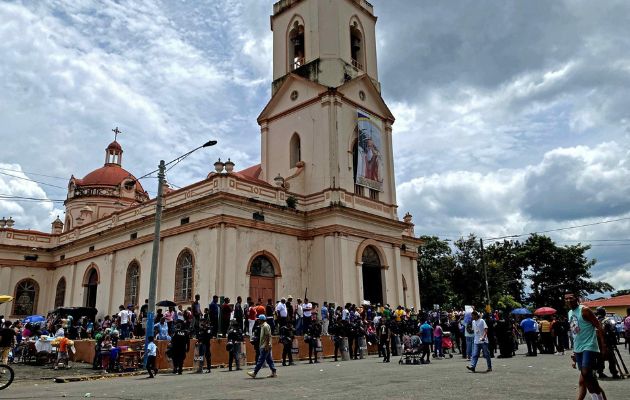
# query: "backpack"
(469, 327)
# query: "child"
(151, 355)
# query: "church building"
(318, 213)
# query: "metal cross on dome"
(116, 132)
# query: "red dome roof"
(109, 175)
(115, 146)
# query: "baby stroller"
(411, 350)
(447, 345)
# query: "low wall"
(85, 350)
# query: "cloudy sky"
(512, 117)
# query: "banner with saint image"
(370, 152)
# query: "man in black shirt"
(203, 339)
(7, 341)
(180, 345)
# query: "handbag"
(307, 339)
(229, 346)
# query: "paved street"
(516, 378)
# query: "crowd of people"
(433, 334)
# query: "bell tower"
(326, 41)
(326, 131)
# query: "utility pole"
(154, 258)
(485, 273)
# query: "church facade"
(317, 215)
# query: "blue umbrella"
(33, 318)
(521, 311)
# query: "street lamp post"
(156, 241)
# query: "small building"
(617, 305)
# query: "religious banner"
(370, 155)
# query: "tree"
(435, 264)
(467, 277)
(555, 271)
(505, 274)
(621, 292)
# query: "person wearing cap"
(265, 349)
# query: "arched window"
(296, 46)
(261, 266)
(60, 293)
(132, 283)
(295, 149)
(184, 271)
(370, 257)
(25, 299)
(356, 46)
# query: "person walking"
(151, 356)
(180, 345)
(588, 340)
(203, 339)
(480, 342)
(264, 345)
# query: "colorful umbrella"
(521, 311)
(545, 311)
(33, 318)
(5, 298)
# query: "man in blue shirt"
(426, 336)
(530, 331)
(325, 320)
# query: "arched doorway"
(91, 287)
(372, 276)
(262, 279)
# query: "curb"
(81, 378)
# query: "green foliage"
(435, 263)
(555, 271)
(621, 292)
(457, 279)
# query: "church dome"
(108, 175)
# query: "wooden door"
(262, 287)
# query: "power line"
(33, 173)
(32, 180)
(24, 198)
(560, 229)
